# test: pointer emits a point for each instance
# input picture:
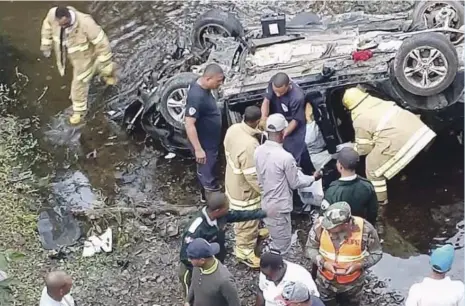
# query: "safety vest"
(350, 252)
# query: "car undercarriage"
(413, 60)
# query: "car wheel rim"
(438, 14)
(176, 104)
(211, 29)
(425, 67)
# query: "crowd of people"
(270, 155)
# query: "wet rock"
(74, 191)
(57, 229)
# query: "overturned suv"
(413, 60)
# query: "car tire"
(176, 88)
(421, 7)
(431, 41)
(219, 20)
(233, 117)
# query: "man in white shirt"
(275, 273)
(56, 292)
(438, 289)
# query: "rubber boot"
(109, 80)
(247, 257)
(76, 118)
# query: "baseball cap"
(442, 258)
(336, 214)
(276, 123)
(348, 158)
(200, 248)
(295, 292)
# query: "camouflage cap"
(336, 214)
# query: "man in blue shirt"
(203, 126)
(285, 97)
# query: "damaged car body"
(413, 60)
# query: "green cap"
(336, 214)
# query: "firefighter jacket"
(389, 135)
(349, 252)
(84, 43)
(214, 230)
(241, 182)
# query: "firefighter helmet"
(352, 97)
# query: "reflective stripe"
(78, 48)
(105, 57)
(86, 75)
(248, 171)
(243, 205)
(379, 183)
(364, 141)
(46, 41)
(380, 189)
(414, 145)
(99, 38)
(341, 258)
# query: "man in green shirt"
(210, 224)
(352, 188)
(212, 283)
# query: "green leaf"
(14, 255)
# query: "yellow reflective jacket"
(393, 135)
(241, 181)
(85, 44)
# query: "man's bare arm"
(265, 108)
(192, 133)
(291, 127)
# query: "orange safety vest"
(350, 252)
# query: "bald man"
(56, 292)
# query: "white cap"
(276, 123)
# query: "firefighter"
(390, 136)
(342, 247)
(77, 37)
(241, 183)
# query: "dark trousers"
(207, 173)
(294, 145)
(306, 163)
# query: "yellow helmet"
(352, 97)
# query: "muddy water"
(99, 164)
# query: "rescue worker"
(77, 37)
(278, 176)
(285, 97)
(438, 289)
(343, 247)
(203, 127)
(210, 225)
(390, 136)
(241, 182)
(353, 189)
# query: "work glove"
(262, 125)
